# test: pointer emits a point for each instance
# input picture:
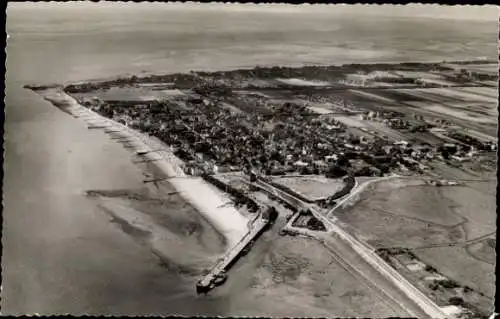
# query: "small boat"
(142, 152)
(201, 288)
(220, 279)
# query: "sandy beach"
(203, 196)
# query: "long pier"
(217, 274)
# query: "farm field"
(456, 93)
(436, 285)
(480, 90)
(458, 264)
(131, 93)
(373, 96)
(439, 95)
(462, 114)
(351, 121)
(466, 107)
(382, 129)
(486, 68)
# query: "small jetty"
(218, 274)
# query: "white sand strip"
(301, 82)
(200, 194)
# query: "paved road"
(369, 265)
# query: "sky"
(468, 12)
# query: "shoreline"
(226, 219)
(129, 78)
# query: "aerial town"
(260, 120)
(396, 161)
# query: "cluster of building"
(277, 138)
(397, 121)
(212, 139)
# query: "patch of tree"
(349, 182)
(157, 107)
(315, 224)
(385, 254)
(445, 153)
(270, 214)
(472, 62)
(183, 154)
(365, 171)
(84, 87)
(492, 242)
(456, 301)
(449, 284)
(430, 269)
(40, 87)
(335, 171)
(433, 286)
(469, 140)
(397, 80)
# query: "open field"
(456, 263)
(484, 250)
(315, 188)
(132, 93)
(486, 68)
(447, 171)
(438, 286)
(487, 111)
(441, 95)
(298, 277)
(477, 207)
(455, 94)
(426, 202)
(477, 112)
(372, 96)
(382, 129)
(351, 121)
(436, 222)
(408, 213)
(459, 114)
(488, 92)
(383, 229)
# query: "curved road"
(368, 264)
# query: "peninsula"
(366, 159)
